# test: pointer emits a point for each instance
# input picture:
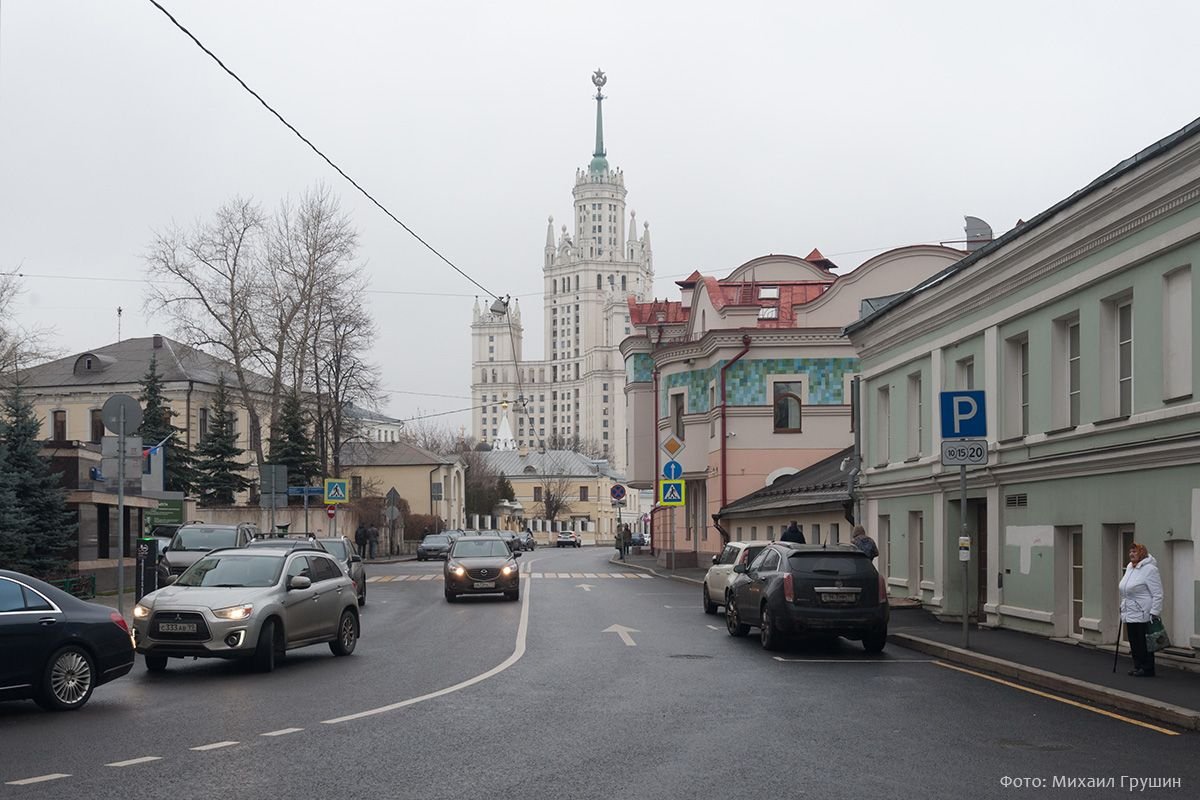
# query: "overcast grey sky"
(742, 128)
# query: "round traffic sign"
(110, 414)
(617, 492)
(331, 511)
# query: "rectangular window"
(964, 373)
(816, 533)
(583, 494)
(1073, 395)
(916, 532)
(1076, 581)
(833, 533)
(789, 403)
(1125, 359)
(59, 433)
(1177, 333)
(916, 415)
(537, 494)
(1023, 355)
(1016, 386)
(883, 526)
(98, 428)
(712, 407)
(677, 412)
(883, 425)
(355, 487)
(1064, 377)
(771, 533)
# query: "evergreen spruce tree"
(37, 530)
(504, 489)
(157, 427)
(291, 445)
(218, 471)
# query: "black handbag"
(1156, 636)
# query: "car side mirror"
(740, 568)
(354, 559)
(167, 581)
(299, 582)
(716, 559)
(517, 554)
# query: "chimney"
(158, 341)
(523, 450)
(979, 233)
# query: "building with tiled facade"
(1079, 327)
(752, 374)
(573, 394)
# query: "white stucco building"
(575, 392)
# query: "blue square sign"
(964, 415)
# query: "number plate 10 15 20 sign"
(964, 452)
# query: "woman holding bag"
(1141, 602)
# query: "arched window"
(622, 283)
(788, 406)
(577, 283)
(493, 376)
(555, 282)
(599, 281)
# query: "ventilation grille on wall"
(1016, 500)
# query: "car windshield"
(436, 538)
(337, 547)
(233, 571)
(204, 539)
(480, 549)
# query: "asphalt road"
(488, 698)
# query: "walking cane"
(1117, 647)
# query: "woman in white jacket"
(1141, 602)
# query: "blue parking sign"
(964, 415)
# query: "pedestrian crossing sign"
(336, 491)
(670, 493)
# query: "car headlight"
(140, 611)
(508, 569)
(457, 569)
(233, 612)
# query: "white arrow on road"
(587, 587)
(623, 632)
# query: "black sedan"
(434, 545)
(481, 565)
(57, 648)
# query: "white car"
(717, 579)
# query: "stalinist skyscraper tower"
(573, 397)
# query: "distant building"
(575, 391)
(374, 426)
(431, 483)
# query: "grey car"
(343, 550)
(249, 603)
(197, 538)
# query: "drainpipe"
(724, 420)
(654, 479)
(431, 512)
(188, 410)
(856, 460)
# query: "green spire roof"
(599, 162)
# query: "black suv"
(195, 539)
(794, 589)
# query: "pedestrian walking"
(360, 538)
(864, 542)
(373, 541)
(626, 541)
(1141, 604)
(793, 534)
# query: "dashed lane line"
(131, 762)
(214, 746)
(282, 732)
(53, 776)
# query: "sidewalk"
(1173, 696)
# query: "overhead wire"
(317, 150)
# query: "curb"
(1115, 698)
(618, 562)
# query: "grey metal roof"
(127, 362)
(390, 454)
(565, 463)
(1160, 147)
(822, 483)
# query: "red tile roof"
(745, 294)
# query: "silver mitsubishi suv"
(249, 603)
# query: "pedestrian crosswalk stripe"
(536, 575)
(589, 574)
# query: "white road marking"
(623, 632)
(517, 653)
(854, 660)
(133, 761)
(282, 732)
(577, 575)
(713, 627)
(603, 575)
(587, 587)
(535, 574)
(589, 574)
(53, 776)
(214, 746)
(427, 577)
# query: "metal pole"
(962, 487)
(271, 472)
(306, 511)
(121, 512)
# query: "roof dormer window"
(768, 293)
(768, 313)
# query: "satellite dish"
(111, 414)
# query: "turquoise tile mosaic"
(746, 381)
(639, 368)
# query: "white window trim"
(914, 413)
(1178, 333)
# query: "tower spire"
(599, 162)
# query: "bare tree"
(576, 444)
(556, 496)
(19, 347)
(205, 279)
(430, 435)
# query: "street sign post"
(331, 511)
(121, 413)
(306, 492)
(337, 490)
(672, 445)
(672, 470)
(964, 419)
(671, 493)
(617, 493)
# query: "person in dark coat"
(864, 542)
(792, 534)
(373, 541)
(360, 539)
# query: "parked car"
(344, 551)
(164, 533)
(567, 539)
(252, 603)
(526, 541)
(511, 539)
(717, 579)
(195, 539)
(434, 545)
(640, 540)
(57, 648)
(286, 542)
(795, 589)
(481, 565)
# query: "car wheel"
(156, 663)
(451, 597)
(733, 622)
(68, 680)
(263, 659)
(874, 642)
(768, 636)
(362, 595)
(709, 606)
(514, 595)
(347, 634)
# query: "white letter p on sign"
(959, 415)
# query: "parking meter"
(146, 579)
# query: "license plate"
(176, 627)
(838, 597)
(485, 584)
